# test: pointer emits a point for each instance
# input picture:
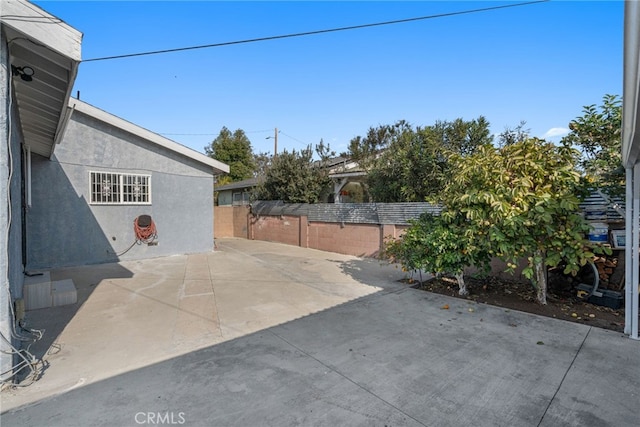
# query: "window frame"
(122, 192)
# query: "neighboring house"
(236, 193)
(74, 178)
(347, 181)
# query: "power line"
(210, 134)
(295, 139)
(310, 33)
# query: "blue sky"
(540, 63)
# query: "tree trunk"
(541, 278)
(463, 287)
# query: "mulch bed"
(562, 300)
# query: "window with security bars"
(120, 189)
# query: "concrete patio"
(258, 333)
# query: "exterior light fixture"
(25, 72)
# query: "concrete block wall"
(231, 221)
(241, 221)
(223, 221)
(282, 229)
(351, 239)
(295, 228)
(365, 240)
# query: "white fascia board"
(90, 110)
(41, 27)
(631, 85)
(347, 174)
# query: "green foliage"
(462, 137)
(235, 150)
(517, 201)
(524, 197)
(404, 164)
(512, 135)
(597, 133)
(445, 244)
(262, 162)
(294, 177)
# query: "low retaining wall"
(348, 228)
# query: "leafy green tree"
(512, 135)
(235, 150)
(444, 244)
(404, 164)
(262, 163)
(513, 202)
(463, 137)
(412, 169)
(524, 198)
(294, 177)
(597, 133)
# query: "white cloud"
(553, 132)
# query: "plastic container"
(611, 299)
(595, 212)
(599, 232)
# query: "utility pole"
(275, 144)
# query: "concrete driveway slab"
(137, 313)
(295, 352)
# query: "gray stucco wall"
(11, 270)
(65, 230)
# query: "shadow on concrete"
(52, 321)
(373, 272)
(63, 231)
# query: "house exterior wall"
(64, 229)
(11, 269)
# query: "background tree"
(235, 150)
(404, 164)
(512, 135)
(597, 134)
(262, 162)
(295, 177)
(463, 137)
(411, 169)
